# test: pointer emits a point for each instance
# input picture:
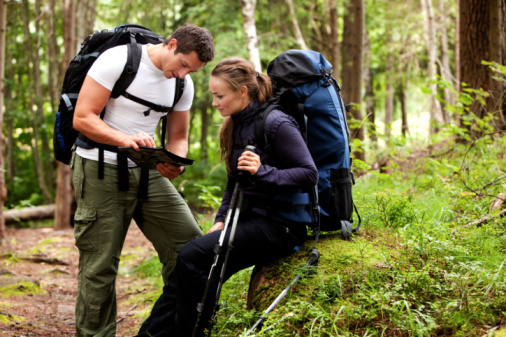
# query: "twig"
(485, 219)
(5, 314)
(43, 258)
(126, 313)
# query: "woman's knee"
(196, 253)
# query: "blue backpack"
(304, 88)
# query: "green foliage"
(21, 288)
(416, 268)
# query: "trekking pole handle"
(250, 148)
(313, 258)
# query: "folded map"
(149, 157)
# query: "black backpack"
(64, 136)
(304, 88)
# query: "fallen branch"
(481, 221)
(42, 258)
(29, 213)
(126, 313)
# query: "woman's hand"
(249, 161)
(216, 227)
(169, 171)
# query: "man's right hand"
(139, 139)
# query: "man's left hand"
(169, 171)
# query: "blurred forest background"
(414, 71)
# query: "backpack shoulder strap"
(260, 134)
(131, 67)
(180, 83)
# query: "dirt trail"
(50, 259)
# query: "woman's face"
(225, 99)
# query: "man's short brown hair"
(193, 38)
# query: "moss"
(21, 288)
(6, 318)
(43, 245)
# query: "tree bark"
(430, 41)
(3, 189)
(319, 41)
(29, 214)
(446, 73)
(402, 98)
(53, 55)
(352, 64)
(334, 42)
(369, 94)
(33, 75)
(389, 110)
(204, 127)
(64, 195)
(250, 30)
(85, 19)
(474, 47)
(295, 25)
(496, 88)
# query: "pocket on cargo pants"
(85, 228)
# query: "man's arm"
(92, 99)
(177, 141)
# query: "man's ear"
(172, 44)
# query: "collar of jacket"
(247, 115)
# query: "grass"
(416, 268)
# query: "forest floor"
(44, 264)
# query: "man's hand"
(169, 171)
(216, 227)
(139, 139)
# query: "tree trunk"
(33, 76)
(85, 19)
(446, 74)
(29, 214)
(352, 64)
(319, 42)
(369, 94)
(39, 102)
(295, 25)
(389, 111)
(334, 35)
(64, 195)
(7, 120)
(3, 189)
(474, 47)
(496, 88)
(250, 30)
(53, 55)
(430, 41)
(503, 25)
(402, 98)
(203, 131)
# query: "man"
(104, 212)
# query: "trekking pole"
(229, 246)
(312, 261)
(235, 207)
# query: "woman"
(263, 232)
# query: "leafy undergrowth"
(419, 266)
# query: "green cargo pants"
(101, 222)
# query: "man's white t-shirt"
(149, 84)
